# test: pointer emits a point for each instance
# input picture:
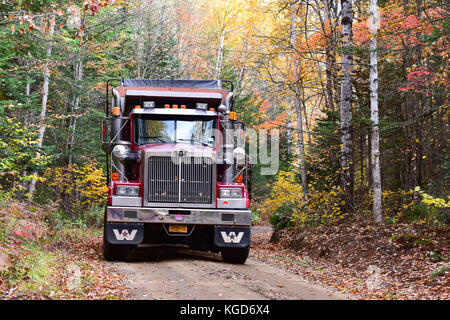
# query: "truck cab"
(177, 168)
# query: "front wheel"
(235, 255)
(114, 252)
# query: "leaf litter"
(404, 261)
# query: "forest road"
(172, 273)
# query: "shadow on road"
(170, 253)
(167, 253)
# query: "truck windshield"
(200, 131)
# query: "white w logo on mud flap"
(124, 235)
(232, 238)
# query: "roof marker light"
(149, 104)
(202, 106)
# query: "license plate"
(178, 228)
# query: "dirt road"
(179, 273)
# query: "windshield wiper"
(193, 141)
(154, 137)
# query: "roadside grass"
(304, 263)
(33, 270)
(72, 233)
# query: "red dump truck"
(177, 168)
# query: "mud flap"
(238, 237)
(124, 233)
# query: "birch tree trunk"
(78, 76)
(137, 36)
(218, 73)
(329, 60)
(220, 51)
(375, 143)
(346, 105)
(46, 81)
(297, 97)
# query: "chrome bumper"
(175, 215)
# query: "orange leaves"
(34, 23)
(418, 80)
(397, 28)
(95, 5)
(48, 20)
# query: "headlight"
(130, 191)
(120, 151)
(231, 193)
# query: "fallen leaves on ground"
(43, 264)
(368, 262)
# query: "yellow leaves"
(304, 209)
(85, 185)
(431, 201)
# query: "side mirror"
(105, 131)
(239, 131)
(240, 125)
(104, 136)
(108, 125)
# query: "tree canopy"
(289, 63)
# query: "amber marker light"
(115, 176)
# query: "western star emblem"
(231, 237)
(125, 235)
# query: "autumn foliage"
(77, 188)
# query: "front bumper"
(236, 217)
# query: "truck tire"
(235, 255)
(114, 252)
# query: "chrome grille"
(180, 180)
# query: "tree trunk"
(297, 100)
(137, 36)
(46, 79)
(375, 143)
(329, 60)
(220, 51)
(346, 105)
(77, 76)
(218, 73)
